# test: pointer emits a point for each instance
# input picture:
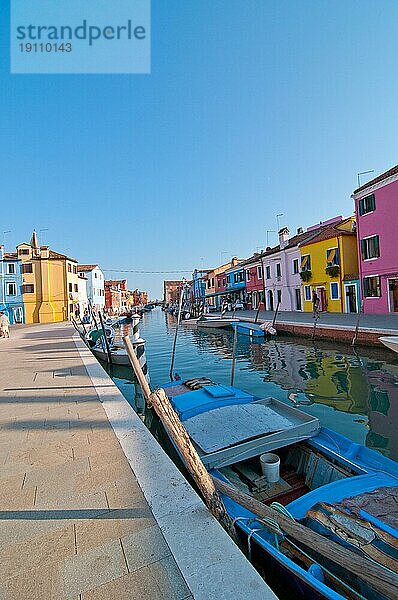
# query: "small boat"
(119, 355)
(254, 330)
(390, 341)
(335, 487)
(216, 322)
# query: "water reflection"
(356, 394)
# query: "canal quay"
(91, 507)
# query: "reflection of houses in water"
(383, 408)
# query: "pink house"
(376, 205)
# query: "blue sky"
(252, 108)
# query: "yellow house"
(49, 283)
(329, 266)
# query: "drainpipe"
(341, 274)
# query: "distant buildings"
(377, 228)
(95, 285)
(39, 285)
(11, 300)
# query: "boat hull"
(116, 358)
(390, 341)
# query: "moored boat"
(119, 355)
(390, 341)
(335, 487)
(216, 322)
(254, 330)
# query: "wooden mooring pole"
(234, 354)
(354, 339)
(166, 413)
(108, 350)
(380, 578)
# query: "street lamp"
(363, 173)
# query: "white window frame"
(11, 283)
(259, 272)
(363, 286)
(338, 251)
(307, 287)
(369, 237)
(338, 290)
(280, 269)
(247, 274)
(13, 272)
(296, 260)
(268, 270)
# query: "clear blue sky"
(252, 108)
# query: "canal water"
(353, 393)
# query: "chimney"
(283, 237)
(300, 230)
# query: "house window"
(268, 272)
(259, 272)
(278, 270)
(307, 292)
(95, 275)
(371, 287)
(11, 269)
(334, 291)
(236, 278)
(24, 251)
(228, 278)
(367, 204)
(75, 269)
(332, 257)
(69, 268)
(70, 287)
(241, 276)
(11, 289)
(295, 266)
(248, 275)
(224, 281)
(28, 289)
(212, 282)
(306, 262)
(370, 247)
(219, 282)
(76, 288)
(27, 268)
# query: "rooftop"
(390, 173)
(86, 267)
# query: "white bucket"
(270, 466)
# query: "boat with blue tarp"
(340, 489)
(255, 330)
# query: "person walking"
(4, 325)
(315, 304)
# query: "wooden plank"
(381, 579)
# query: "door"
(270, 300)
(297, 292)
(322, 298)
(351, 298)
(393, 291)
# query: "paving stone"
(141, 548)
(87, 570)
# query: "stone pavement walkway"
(74, 522)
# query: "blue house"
(11, 301)
(198, 288)
(236, 283)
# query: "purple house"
(376, 205)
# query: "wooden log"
(161, 404)
(234, 354)
(381, 579)
(171, 421)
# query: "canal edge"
(209, 561)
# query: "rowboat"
(335, 487)
(390, 341)
(254, 330)
(216, 322)
(119, 356)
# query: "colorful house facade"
(49, 283)
(11, 299)
(377, 226)
(95, 285)
(329, 267)
(216, 284)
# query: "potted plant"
(306, 275)
(333, 270)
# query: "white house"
(95, 285)
(82, 294)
